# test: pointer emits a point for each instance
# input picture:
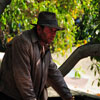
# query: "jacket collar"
(35, 39)
(34, 36)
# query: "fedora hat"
(48, 19)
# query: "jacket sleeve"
(55, 79)
(21, 69)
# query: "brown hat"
(48, 19)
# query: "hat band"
(48, 22)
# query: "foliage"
(88, 24)
(96, 68)
(79, 18)
(19, 15)
(78, 72)
(76, 16)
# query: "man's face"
(47, 34)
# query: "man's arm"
(3, 4)
(22, 69)
(55, 79)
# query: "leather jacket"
(24, 73)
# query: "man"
(27, 66)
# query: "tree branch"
(78, 54)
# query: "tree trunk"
(78, 54)
(3, 4)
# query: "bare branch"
(78, 54)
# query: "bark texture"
(78, 54)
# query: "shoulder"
(25, 40)
(21, 39)
(24, 37)
(29, 36)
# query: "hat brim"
(57, 27)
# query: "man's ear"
(39, 29)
